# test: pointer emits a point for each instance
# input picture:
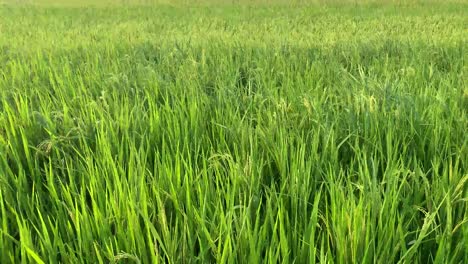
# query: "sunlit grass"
(230, 135)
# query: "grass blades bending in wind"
(227, 134)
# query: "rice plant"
(240, 132)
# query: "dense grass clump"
(232, 134)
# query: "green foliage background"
(182, 133)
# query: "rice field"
(234, 132)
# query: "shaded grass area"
(228, 135)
